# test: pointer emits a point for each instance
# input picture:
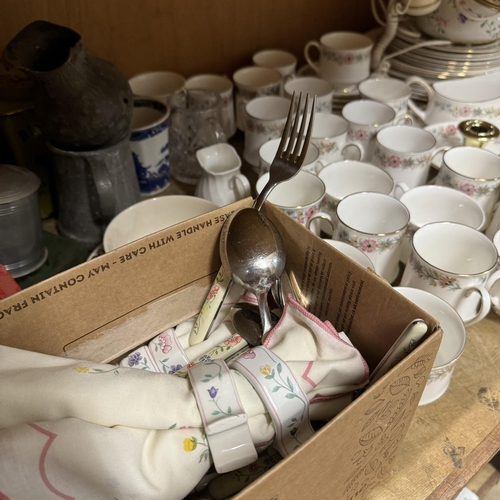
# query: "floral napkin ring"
(283, 397)
(223, 416)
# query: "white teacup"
(438, 203)
(344, 58)
(452, 343)
(161, 85)
(347, 177)
(285, 62)
(494, 224)
(265, 120)
(374, 223)
(390, 91)
(475, 172)
(251, 82)
(152, 215)
(300, 197)
(224, 87)
(453, 261)
(329, 135)
(405, 153)
(268, 151)
(311, 85)
(353, 253)
(365, 119)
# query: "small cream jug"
(221, 182)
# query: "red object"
(8, 285)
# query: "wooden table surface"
(452, 438)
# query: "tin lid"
(16, 183)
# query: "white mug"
(268, 151)
(311, 85)
(475, 172)
(299, 197)
(224, 87)
(161, 85)
(365, 118)
(285, 62)
(374, 223)
(390, 91)
(453, 261)
(344, 58)
(329, 135)
(251, 82)
(438, 203)
(405, 153)
(452, 343)
(265, 120)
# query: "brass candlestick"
(478, 132)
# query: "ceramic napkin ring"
(225, 421)
(280, 392)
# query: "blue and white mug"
(149, 145)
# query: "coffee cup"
(405, 153)
(311, 85)
(453, 261)
(161, 85)
(390, 91)
(365, 119)
(438, 203)
(285, 62)
(224, 87)
(373, 223)
(452, 343)
(268, 151)
(265, 120)
(251, 82)
(475, 172)
(344, 58)
(329, 135)
(149, 143)
(299, 197)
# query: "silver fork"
(284, 166)
(287, 162)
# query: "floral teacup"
(374, 223)
(473, 171)
(405, 153)
(453, 261)
(300, 197)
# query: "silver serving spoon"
(252, 249)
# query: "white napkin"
(104, 432)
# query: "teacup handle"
(491, 226)
(312, 43)
(356, 145)
(485, 303)
(401, 186)
(421, 113)
(240, 179)
(470, 16)
(322, 216)
(489, 284)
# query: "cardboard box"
(102, 309)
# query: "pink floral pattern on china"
(470, 188)
(403, 162)
(325, 147)
(273, 130)
(346, 59)
(302, 215)
(360, 134)
(434, 277)
(466, 111)
(370, 245)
